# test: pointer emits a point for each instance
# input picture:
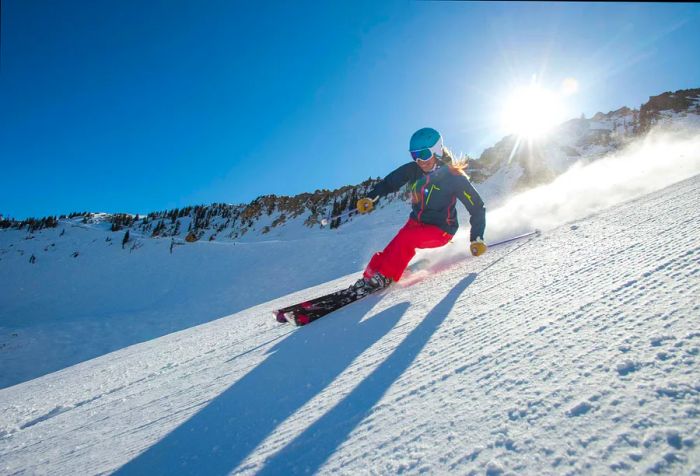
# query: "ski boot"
(370, 285)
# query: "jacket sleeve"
(395, 180)
(471, 199)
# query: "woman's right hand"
(365, 205)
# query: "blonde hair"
(456, 165)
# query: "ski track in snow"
(572, 353)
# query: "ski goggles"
(427, 153)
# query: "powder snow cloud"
(656, 161)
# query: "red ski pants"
(398, 253)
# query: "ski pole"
(508, 240)
(325, 221)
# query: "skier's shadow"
(219, 437)
(312, 448)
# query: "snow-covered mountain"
(510, 165)
(575, 352)
(73, 289)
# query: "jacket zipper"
(422, 196)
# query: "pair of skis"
(306, 312)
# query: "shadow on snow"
(308, 452)
(218, 438)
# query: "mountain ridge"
(511, 163)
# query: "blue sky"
(132, 106)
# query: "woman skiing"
(436, 184)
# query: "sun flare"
(531, 112)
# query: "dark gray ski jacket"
(434, 195)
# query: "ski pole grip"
(478, 248)
(365, 205)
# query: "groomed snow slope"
(572, 353)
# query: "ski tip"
(279, 316)
(290, 317)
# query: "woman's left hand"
(478, 247)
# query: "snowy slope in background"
(63, 310)
(576, 352)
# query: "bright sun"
(531, 112)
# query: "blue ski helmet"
(426, 138)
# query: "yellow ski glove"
(478, 247)
(365, 205)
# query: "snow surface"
(575, 352)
